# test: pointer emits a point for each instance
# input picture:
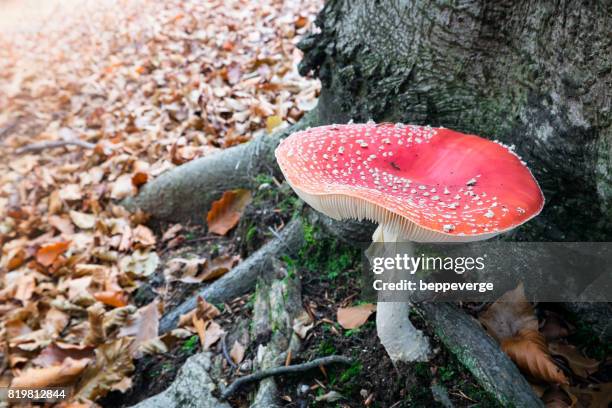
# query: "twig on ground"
(226, 354)
(297, 368)
(38, 147)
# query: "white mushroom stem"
(401, 340)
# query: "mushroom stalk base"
(397, 334)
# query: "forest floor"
(98, 98)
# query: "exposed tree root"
(277, 304)
(242, 278)
(186, 192)
(292, 369)
(477, 351)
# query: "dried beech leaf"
(55, 353)
(47, 254)
(205, 310)
(83, 220)
(580, 365)
(509, 314)
(556, 397)
(218, 267)
(213, 333)
(139, 179)
(355, 316)
(200, 327)
(113, 363)
(273, 122)
(529, 351)
(237, 352)
(225, 213)
(302, 324)
(143, 327)
(95, 317)
(56, 375)
(116, 298)
(594, 395)
(122, 187)
(143, 236)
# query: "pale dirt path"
(32, 15)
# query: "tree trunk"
(533, 74)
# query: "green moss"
(326, 348)
(325, 255)
(190, 345)
(264, 179)
(352, 372)
(367, 326)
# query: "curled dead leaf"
(139, 179)
(212, 334)
(509, 314)
(225, 213)
(355, 316)
(529, 351)
(116, 298)
(302, 324)
(143, 327)
(83, 220)
(580, 365)
(237, 352)
(60, 374)
(112, 364)
(47, 254)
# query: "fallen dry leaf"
(302, 324)
(225, 213)
(205, 310)
(62, 224)
(172, 232)
(529, 351)
(355, 316)
(142, 327)
(47, 254)
(55, 375)
(237, 352)
(594, 395)
(112, 364)
(580, 365)
(272, 122)
(557, 397)
(213, 333)
(55, 353)
(15, 258)
(96, 333)
(200, 327)
(116, 298)
(509, 314)
(139, 179)
(143, 236)
(512, 322)
(82, 220)
(123, 187)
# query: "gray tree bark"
(534, 74)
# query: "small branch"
(292, 369)
(38, 147)
(226, 354)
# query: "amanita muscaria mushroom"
(419, 183)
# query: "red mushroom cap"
(426, 184)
